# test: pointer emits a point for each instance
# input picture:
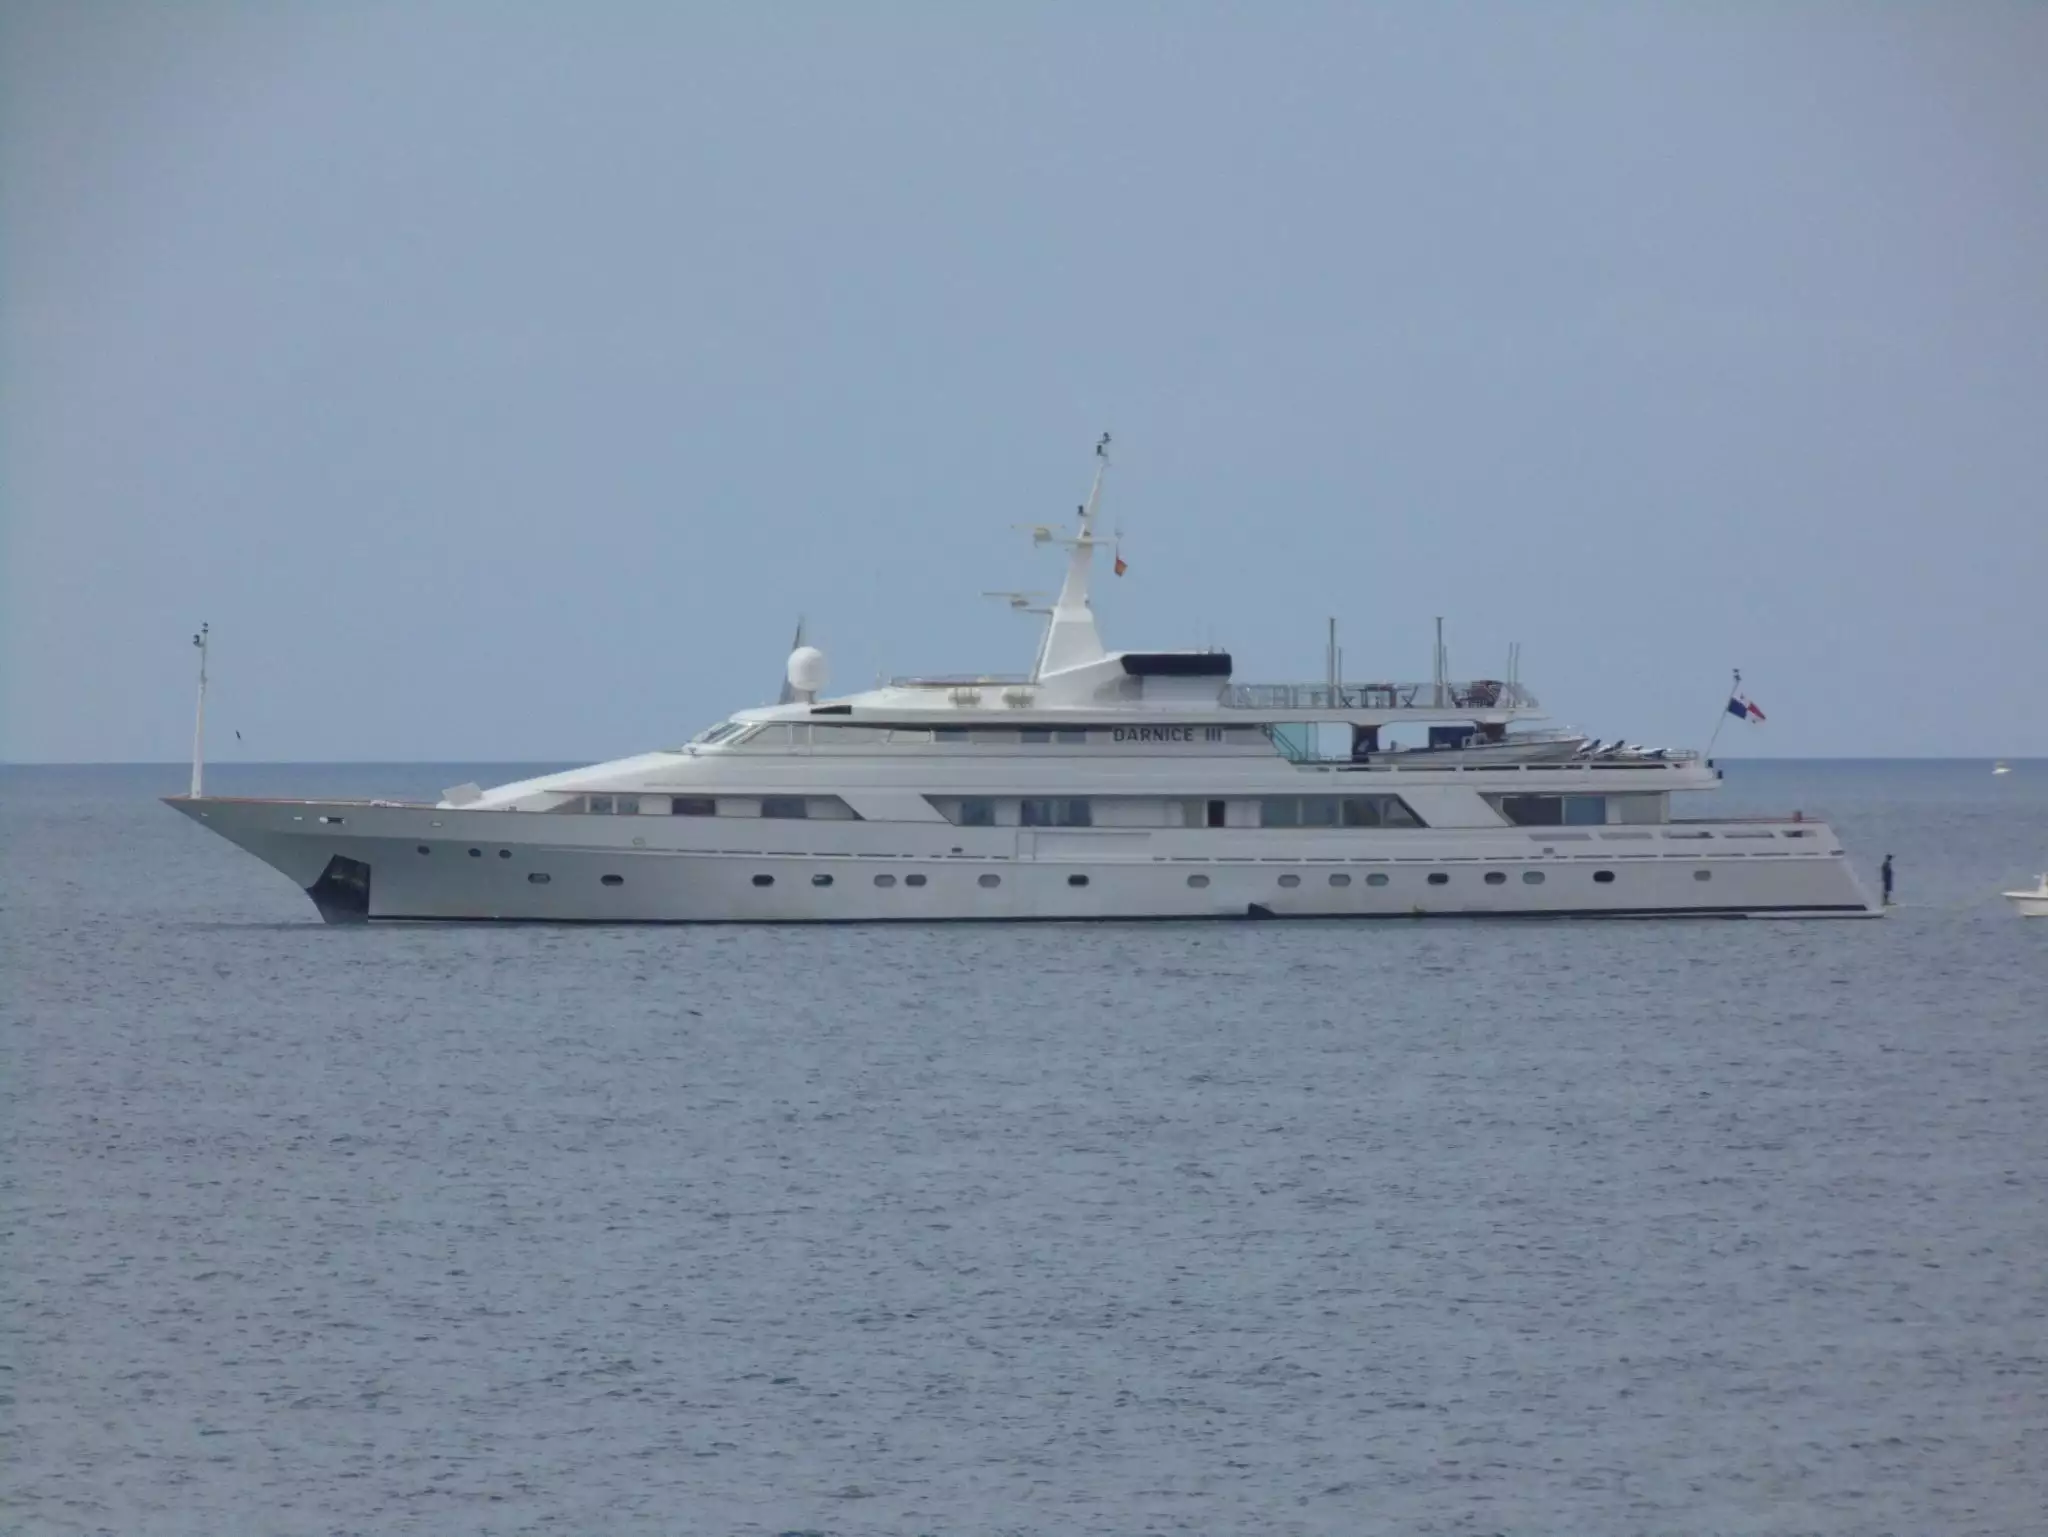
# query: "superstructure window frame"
(1055, 811)
(1352, 812)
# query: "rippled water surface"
(1429, 1227)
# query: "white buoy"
(806, 671)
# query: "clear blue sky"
(501, 381)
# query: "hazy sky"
(502, 381)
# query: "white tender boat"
(2031, 904)
(1099, 785)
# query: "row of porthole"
(990, 879)
(1436, 877)
(1440, 878)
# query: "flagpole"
(1734, 690)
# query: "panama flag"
(1743, 709)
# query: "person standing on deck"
(1885, 874)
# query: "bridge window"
(1030, 734)
(790, 807)
(693, 806)
(949, 733)
(977, 813)
(601, 805)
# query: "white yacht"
(1099, 785)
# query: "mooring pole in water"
(199, 715)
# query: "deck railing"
(1477, 694)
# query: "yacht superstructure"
(1099, 785)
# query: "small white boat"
(2000, 768)
(2031, 904)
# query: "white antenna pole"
(199, 715)
(1439, 679)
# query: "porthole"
(1077, 880)
(1532, 877)
(991, 880)
(504, 853)
(913, 880)
(885, 880)
(1198, 881)
(1703, 875)
(476, 853)
(1496, 877)
(1604, 877)
(612, 880)
(821, 880)
(1290, 880)
(1438, 878)
(764, 880)
(1375, 879)
(538, 878)
(1340, 880)
(424, 849)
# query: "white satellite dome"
(807, 669)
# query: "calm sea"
(1430, 1227)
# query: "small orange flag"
(1122, 565)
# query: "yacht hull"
(380, 862)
